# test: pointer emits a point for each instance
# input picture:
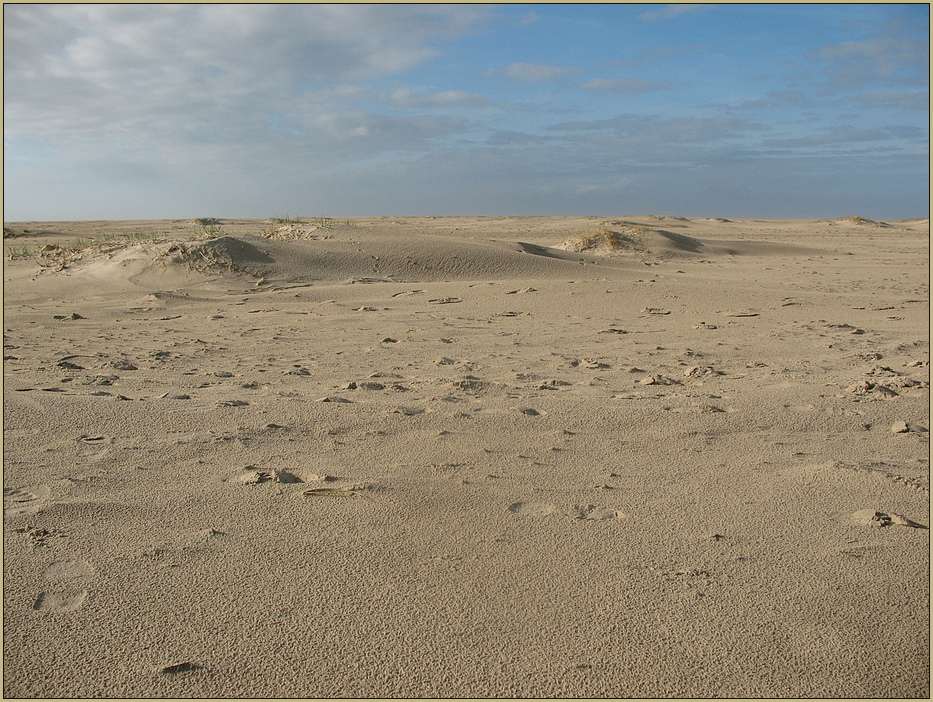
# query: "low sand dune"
(648, 456)
(859, 222)
(410, 259)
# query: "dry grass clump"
(15, 253)
(200, 256)
(860, 221)
(222, 254)
(293, 231)
(58, 257)
(605, 240)
(292, 228)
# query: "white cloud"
(162, 71)
(529, 18)
(845, 136)
(848, 137)
(536, 72)
(654, 131)
(891, 58)
(776, 99)
(405, 97)
(919, 101)
(622, 85)
(513, 138)
(666, 50)
(194, 91)
(671, 11)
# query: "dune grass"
(286, 220)
(606, 239)
(60, 256)
(18, 252)
(207, 231)
(319, 221)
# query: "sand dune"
(859, 222)
(645, 456)
(411, 259)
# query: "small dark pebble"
(186, 667)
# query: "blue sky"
(178, 111)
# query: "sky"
(253, 111)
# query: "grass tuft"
(16, 253)
(287, 220)
(61, 256)
(604, 239)
(208, 231)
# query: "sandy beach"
(642, 456)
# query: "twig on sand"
(342, 492)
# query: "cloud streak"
(890, 58)
(671, 11)
(405, 97)
(622, 85)
(536, 72)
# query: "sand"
(467, 457)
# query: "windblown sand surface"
(468, 457)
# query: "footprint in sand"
(68, 570)
(533, 509)
(542, 509)
(94, 448)
(60, 601)
(27, 500)
(67, 578)
(255, 476)
(873, 518)
(594, 513)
